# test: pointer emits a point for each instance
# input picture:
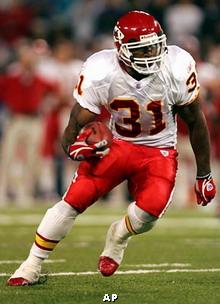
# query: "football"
(99, 132)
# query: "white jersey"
(141, 111)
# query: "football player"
(143, 83)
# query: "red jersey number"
(133, 120)
(79, 85)
(155, 107)
(191, 82)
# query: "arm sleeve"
(86, 91)
(187, 82)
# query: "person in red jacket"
(23, 93)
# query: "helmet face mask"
(140, 42)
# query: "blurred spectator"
(183, 18)
(210, 28)
(22, 91)
(62, 67)
(83, 15)
(15, 20)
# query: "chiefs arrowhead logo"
(118, 35)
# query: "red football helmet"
(140, 42)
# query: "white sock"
(135, 222)
(116, 240)
(54, 226)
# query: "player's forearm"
(79, 117)
(71, 131)
(199, 138)
(68, 138)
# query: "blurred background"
(42, 47)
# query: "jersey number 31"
(154, 108)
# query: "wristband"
(208, 176)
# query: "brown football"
(99, 132)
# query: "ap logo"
(110, 298)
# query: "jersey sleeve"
(85, 92)
(91, 91)
(186, 81)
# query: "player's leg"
(91, 181)
(9, 144)
(152, 187)
(135, 222)
(31, 132)
(54, 226)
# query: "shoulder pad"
(100, 65)
(181, 63)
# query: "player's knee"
(57, 221)
(64, 209)
(138, 220)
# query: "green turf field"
(177, 262)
